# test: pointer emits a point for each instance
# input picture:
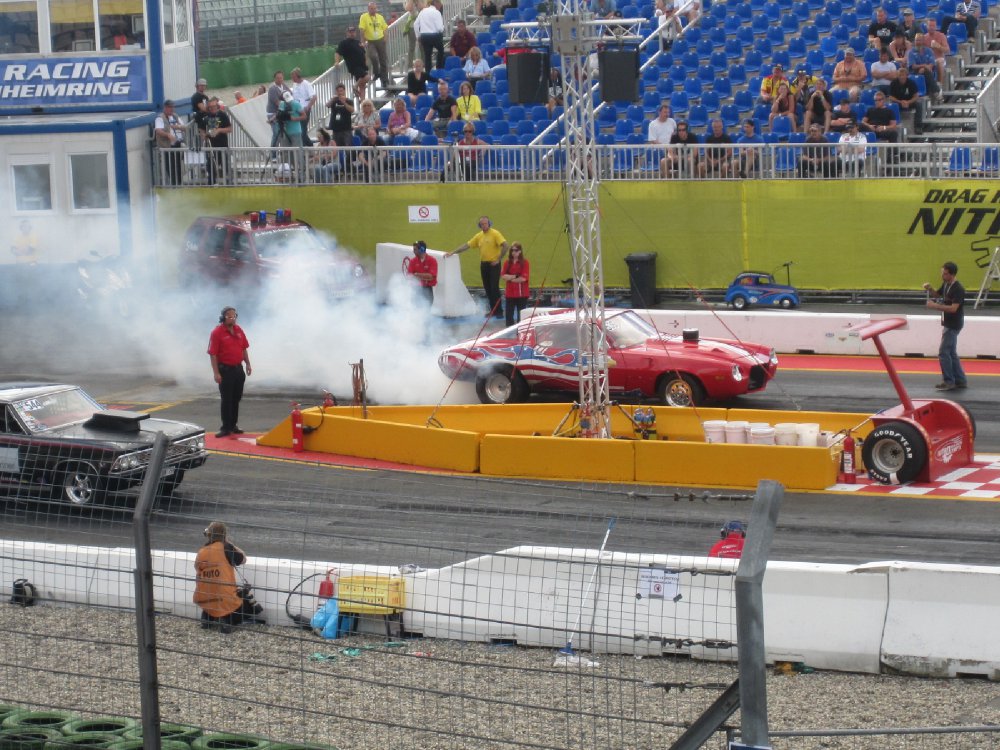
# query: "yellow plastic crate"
(370, 595)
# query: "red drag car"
(540, 355)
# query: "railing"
(545, 163)
(988, 111)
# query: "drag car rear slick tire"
(680, 390)
(79, 484)
(894, 453)
(501, 387)
(739, 302)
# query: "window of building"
(89, 184)
(176, 22)
(18, 27)
(72, 27)
(32, 186)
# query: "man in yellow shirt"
(492, 249)
(25, 245)
(373, 27)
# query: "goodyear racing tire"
(28, 738)
(116, 725)
(82, 740)
(500, 386)
(894, 453)
(680, 389)
(38, 720)
(740, 302)
(78, 484)
(180, 732)
(230, 742)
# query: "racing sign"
(66, 82)
(424, 214)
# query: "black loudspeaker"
(619, 75)
(528, 78)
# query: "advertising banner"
(68, 82)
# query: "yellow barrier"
(558, 458)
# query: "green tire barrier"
(230, 742)
(136, 744)
(6, 710)
(38, 719)
(82, 740)
(299, 746)
(180, 732)
(104, 724)
(28, 738)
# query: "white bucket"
(825, 439)
(786, 433)
(808, 433)
(736, 432)
(762, 435)
(751, 426)
(715, 430)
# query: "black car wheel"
(79, 484)
(894, 453)
(168, 485)
(681, 389)
(501, 386)
(739, 302)
(787, 303)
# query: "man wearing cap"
(769, 85)
(841, 116)
(373, 27)
(222, 602)
(424, 268)
(883, 71)
(881, 30)
(214, 127)
(802, 86)
(199, 99)
(852, 150)
(290, 112)
(353, 54)
(305, 95)
(909, 26)
(849, 73)
(169, 134)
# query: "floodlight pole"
(574, 34)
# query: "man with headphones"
(222, 602)
(227, 348)
(492, 249)
(733, 534)
(424, 268)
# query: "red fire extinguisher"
(298, 443)
(326, 587)
(847, 470)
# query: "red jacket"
(730, 547)
(516, 289)
(427, 265)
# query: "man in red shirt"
(462, 40)
(424, 268)
(731, 544)
(227, 348)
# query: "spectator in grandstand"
(305, 95)
(470, 150)
(373, 27)
(900, 48)
(819, 109)
(841, 116)
(817, 157)
(881, 30)
(849, 73)
(921, 62)
(169, 132)
(462, 41)
(802, 87)
(476, 68)
(685, 161)
(905, 93)
(341, 116)
(661, 130)
(938, 43)
(325, 158)
(783, 106)
(749, 158)
(412, 9)
(604, 8)
(400, 123)
(883, 71)
(852, 150)
(881, 121)
(443, 110)
(372, 156)
(555, 91)
(261, 90)
(966, 12)
(214, 126)
(367, 118)
(468, 104)
(516, 272)
(769, 85)
(417, 81)
(692, 8)
(668, 22)
(353, 54)
(238, 96)
(486, 8)
(718, 161)
(199, 99)
(429, 28)
(275, 95)
(909, 26)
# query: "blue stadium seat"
(690, 61)
(679, 103)
(693, 88)
(734, 49)
(678, 74)
(743, 101)
(650, 77)
(829, 46)
(516, 112)
(539, 112)
(815, 4)
(710, 100)
(500, 87)
(809, 34)
(483, 87)
(607, 116)
(718, 37)
(960, 161)
(541, 125)
(781, 126)
(797, 48)
(761, 112)
(763, 46)
(960, 33)
(499, 128)
(781, 57)
(776, 36)
(921, 85)
(790, 24)
(737, 73)
(834, 8)
(706, 74)
(693, 35)
(651, 103)
(732, 24)
(451, 62)
(801, 11)
(991, 160)
(730, 115)
(494, 113)
(705, 48)
(665, 61)
(760, 24)
(697, 116)
(786, 159)
(815, 59)
(841, 33)
(723, 87)
(858, 44)
(772, 11)
(849, 18)
(718, 61)
(635, 113)
(680, 48)
(623, 129)
(823, 22)
(745, 12)
(891, 8)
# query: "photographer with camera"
(223, 603)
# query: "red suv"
(242, 253)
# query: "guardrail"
(448, 162)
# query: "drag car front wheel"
(894, 453)
(501, 386)
(79, 484)
(681, 389)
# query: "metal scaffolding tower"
(573, 33)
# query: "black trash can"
(642, 279)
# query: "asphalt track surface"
(430, 509)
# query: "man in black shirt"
(215, 126)
(199, 99)
(341, 112)
(950, 302)
(354, 57)
(905, 93)
(443, 110)
(881, 30)
(819, 156)
(881, 120)
(718, 161)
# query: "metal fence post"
(145, 624)
(750, 611)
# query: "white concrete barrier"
(915, 618)
(451, 297)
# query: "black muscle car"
(58, 441)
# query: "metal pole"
(145, 623)
(750, 612)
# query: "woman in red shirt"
(515, 273)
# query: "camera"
(283, 114)
(246, 593)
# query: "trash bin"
(642, 279)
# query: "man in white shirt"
(852, 150)
(304, 94)
(429, 28)
(965, 13)
(883, 71)
(661, 130)
(169, 132)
